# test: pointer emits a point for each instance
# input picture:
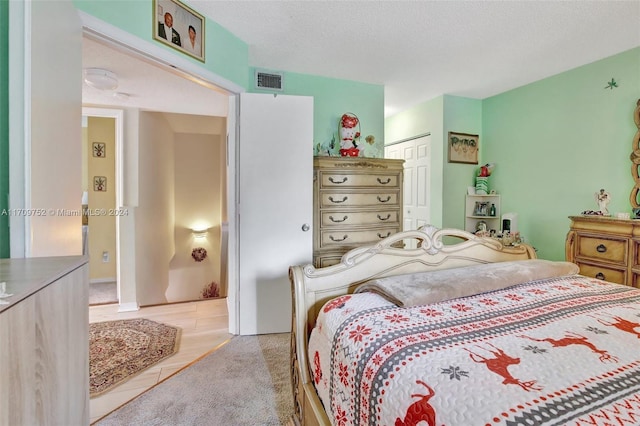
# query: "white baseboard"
(128, 307)
(102, 280)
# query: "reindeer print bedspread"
(560, 351)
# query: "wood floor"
(204, 326)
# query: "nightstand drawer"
(347, 217)
(603, 273)
(335, 180)
(598, 248)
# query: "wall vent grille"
(269, 80)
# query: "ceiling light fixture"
(100, 78)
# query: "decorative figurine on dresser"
(356, 201)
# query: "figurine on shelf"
(349, 135)
(603, 198)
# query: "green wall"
(555, 142)
(559, 140)
(4, 128)
(332, 98)
(225, 54)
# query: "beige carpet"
(118, 350)
(246, 382)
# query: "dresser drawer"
(603, 273)
(354, 180)
(350, 199)
(599, 248)
(354, 237)
(346, 217)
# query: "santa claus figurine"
(349, 135)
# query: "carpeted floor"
(246, 382)
(103, 293)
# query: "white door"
(416, 154)
(275, 205)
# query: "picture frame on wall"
(99, 149)
(100, 183)
(180, 27)
(463, 148)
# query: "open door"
(275, 205)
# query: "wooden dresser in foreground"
(44, 342)
(605, 248)
(356, 201)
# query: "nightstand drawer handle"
(384, 218)
(600, 276)
(383, 183)
(384, 201)
(601, 248)
(337, 240)
(338, 201)
(344, 179)
(338, 220)
(384, 236)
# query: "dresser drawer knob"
(384, 236)
(385, 182)
(338, 220)
(337, 240)
(384, 218)
(384, 201)
(338, 201)
(344, 179)
(600, 276)
(601, 248)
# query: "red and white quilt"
(559, 351)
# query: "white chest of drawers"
(356, 201)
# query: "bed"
(461, 331)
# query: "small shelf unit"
(472, 216)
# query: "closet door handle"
(384, 218)
(600, 276)
(337, 240)
(601, 248)
(338, 201)
(384, 201)
(383, 183)
(344, 179)
(338, 220)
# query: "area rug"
(118, 350)
(245, 382)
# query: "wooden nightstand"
(605, 248)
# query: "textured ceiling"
(417, 49)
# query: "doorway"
(154, 194)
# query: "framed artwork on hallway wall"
(180, 27)
(463, 148)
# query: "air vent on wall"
(269, 80)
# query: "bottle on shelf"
(492, 210)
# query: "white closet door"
(275, 204)
(416, 154)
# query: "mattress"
(558, 351)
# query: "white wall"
(154, 216)
(55, 124)
(198, 195)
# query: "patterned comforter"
(559, 351)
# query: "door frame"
(145, 50)
(118, 116)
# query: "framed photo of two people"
(179, 26)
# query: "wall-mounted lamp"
(200, 233)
